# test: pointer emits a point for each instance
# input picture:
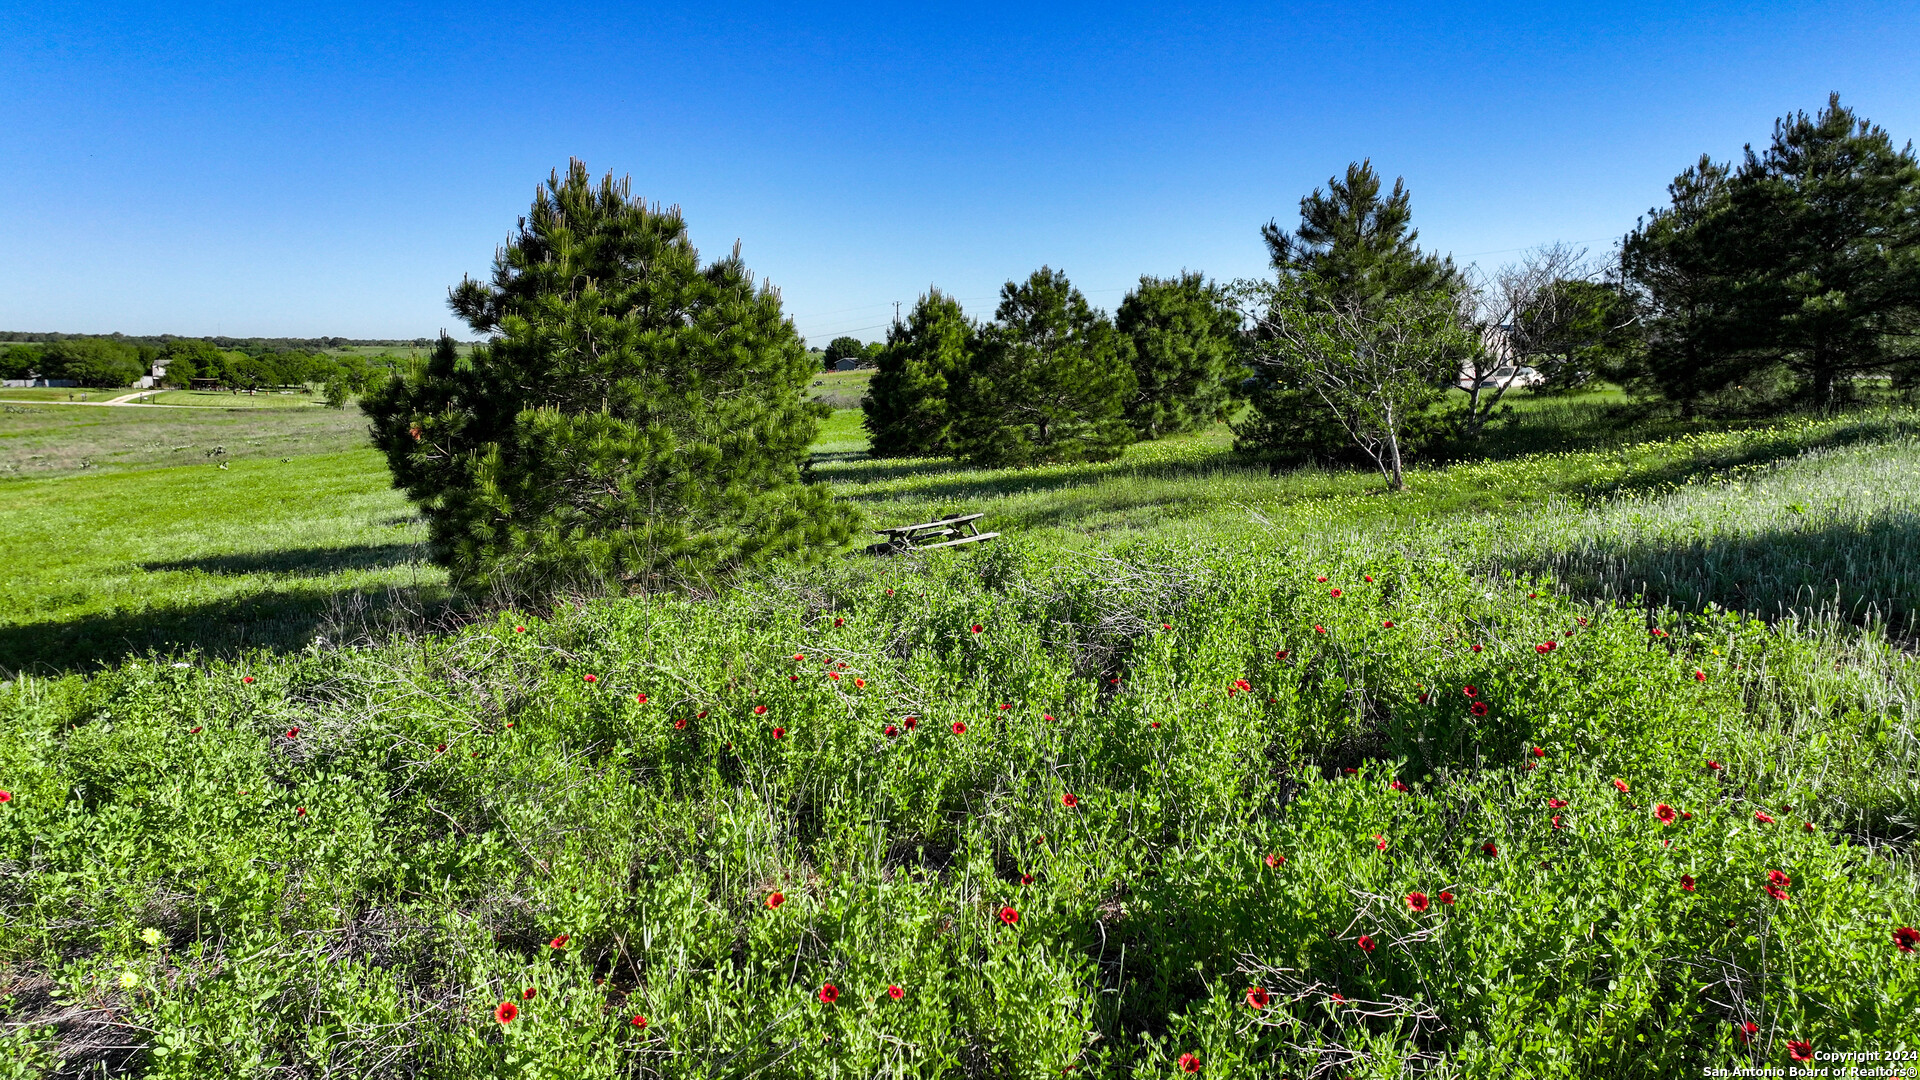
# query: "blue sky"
(332, 169)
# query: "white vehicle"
(1503, 376)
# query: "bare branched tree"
(1520, 312)
(1374, 366)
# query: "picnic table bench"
(946, 532)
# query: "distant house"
(152, 378)
(846, 363)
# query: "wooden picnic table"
(947, 532)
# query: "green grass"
(469, 796)
(228, 399)
(59, 393)
(40, 441)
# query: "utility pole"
(896, 311)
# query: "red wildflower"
(1166, 626)
(528, 993)
(1069, 800)
(959, 728)
(1686, 882)
(1556, 822)
(1799, 1049)
(779, 733)
(839, 622)
(1387, 624)
(1538, 752)
(1906, 937)
(1475, 648)
(1657, 632)
(1664, 813)
(834, 675)
(1280, 654)
(1397, 786)
(1009, 916)
(1470, 691)
(639, 1022)
(293, 733)
(1349, 772)
(1380, 842)
(701, 715)
(1490, 848)
(759, 710)
(593, 678)
(505, 1012)
(1556, 804)
(799, 656)
(1446, 897)
(6, 796)
(1620, 785)
(1318, 629)
(1189, 1063)
(1423, 699)
(1154, 724)
(1775, 877)
(1776, 892)
(829, 994)
(1699, 676)
(1322, 579)
(1746, 1031)
(680, 724)
(1005, 705)
(1258, 997)
(1478, 708)
(1417, 901)
(890, 731)
(1544, 647)
(775, 899)
(1337, 997)
(889, 592)
(195, 731)
(977, 628)
(859, 684)
(1026, 879)
(1366, 577)
(519, 629)
(559, 942)
(1714, 766)
(1333, 592)
(299, 811)
(1762, 817)
(1366, 943)
(896, 993)
(1275, 860)
(1048, 717)
(246, 678)
(910, 722)
(641, 698)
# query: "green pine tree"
(1186, 354)
(635, 419)
(1352, 248)
(925, 358)
(1050, 381)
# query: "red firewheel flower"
(1397, 786)
(1620, 785)
(959, 728)
(759, 710)
(680, 724)
(641, 698)
(1478, 708)
(1476, 648)
(528, 993)
(1775, 877)
(977, 628)
(1322, 579)
(1556, 822)
(1543, 648)
(1274, 861)
(1799, 1049)
(593, 678)
(1776, 892)
(1699, 676)
(779, 733)
(1714, 766)
(1906, 937)
(1069, 800)
(1470, 691)
(1446, 897)
(890, 731)
(6, 796)
(829, 994)
(1380, 842)
(1258, 997)
(775, 899)
(1009, 916)
(1664, 813)
(1686, 882)
(519, 629)
(1746, 1031)
(1762, 817)
(1539, 752)
(1366, 943)
(1417, 901)
(1490, 848)
(559, 942)
(1333, 592)
(1026, 879)
(1280, 654)
(1189, 1063)
(1556, 804)
(896, 993)
(246, 679)
(910, 722)
(293, 733)
(639, 1022)
(839, 622)
(505, 1012)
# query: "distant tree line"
(108, 362)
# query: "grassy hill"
(1283, 773)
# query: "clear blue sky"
(332, 169)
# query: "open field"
(841, 389)
(43, 441)
(1186, 731)
(228, 399)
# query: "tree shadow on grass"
(276, 621)
(309, 562)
